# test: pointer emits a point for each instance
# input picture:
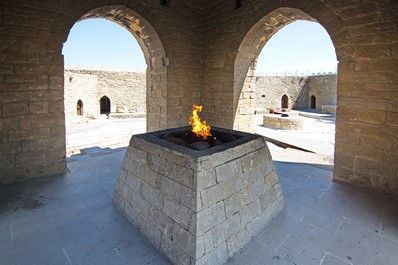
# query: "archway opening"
(105, 105)
(287, 78)
(313, 102)
(101, 54)
(285, 102)
(79, 108)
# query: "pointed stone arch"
(248, 51)
(154, 53)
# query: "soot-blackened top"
(184, 141)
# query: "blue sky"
(301, 47)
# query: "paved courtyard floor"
(71, 220)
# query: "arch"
(313, 102)
(285, 102)
(257, 36)
(105, 105)
(79, 107)
(154, 53)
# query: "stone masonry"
(284, 123)
(299, 89)
(200, 51)
(126, 91)
(80, 87)
(198, 208)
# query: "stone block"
(12, 109)
(41, 121)
(174, 253)
(225, 229)
(178, 192)
(204, 244)
(205, 179)
(217, 256)
(256, 189)
(216, 193)
(39, 107)
(236, 202)
(179, 173)
(248, 213)
(162, 222)
(179, 213)
(147, 175)
(184, 240)
(152, 195)
(226, 172)
(238, 240)
(28, 134)
(210, 217)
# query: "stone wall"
(324, 88)
(126, 91)
(80, 87)
(270, 89)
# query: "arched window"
(105, 105)
(285, 102)
(79, 107)
(313, 102)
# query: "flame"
(198, 127)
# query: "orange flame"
(198, 127)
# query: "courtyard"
(72, 220)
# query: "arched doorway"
(79, 107)
(285, 102)
(313, 102)
(105, 105)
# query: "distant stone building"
(297, 92)
(89, 93)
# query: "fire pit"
(189, 139)
(198, 200)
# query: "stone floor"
(71, 220)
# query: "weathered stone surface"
(285, 123)
(227, 200)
